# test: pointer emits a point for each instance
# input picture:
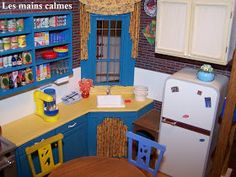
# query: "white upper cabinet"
(196, 29)
(173, 27)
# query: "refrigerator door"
(190, 103)
(186, 151)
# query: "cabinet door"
(75, 138)
(209, 30)
(75, 142)
(172, 30)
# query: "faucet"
(108, 91)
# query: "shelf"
(51, 29)
(8, 16)
(51, 45)
(53, 78)
(34, 84)
(15, 90)
(17, 33)
(18, 50)
(14, 68)
(40, 61)
(52, 13)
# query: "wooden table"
(97, 167)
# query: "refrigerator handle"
(168, 121)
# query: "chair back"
(142, 151)
(111, 138)
(44, 152)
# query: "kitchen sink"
(110, 101)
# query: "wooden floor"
(161, 175)
(158, 175)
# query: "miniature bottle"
(13, 60)
(23, 81)
(18, 81)
(11, 83)
(19, 60)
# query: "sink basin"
(110, 101)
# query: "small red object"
(127, 100)
(85, 94)
(48, 55)
(185, 116)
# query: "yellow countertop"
(32, 126)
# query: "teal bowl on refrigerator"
(205, 76)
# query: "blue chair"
(141, 150)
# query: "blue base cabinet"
(75, 138)
(79, 137)
(74, 144)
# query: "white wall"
(18, 106)
(155, 82)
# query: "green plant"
(206, 68)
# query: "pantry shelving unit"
(30, 29)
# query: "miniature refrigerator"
(189, 122)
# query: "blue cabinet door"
(75, 143)
(75, 138)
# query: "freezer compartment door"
(190, 103)
(186, 151)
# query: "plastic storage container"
(140, 93)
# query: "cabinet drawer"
(72, 125)
(21, 149)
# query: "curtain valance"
(109, 7)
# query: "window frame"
(127, 64)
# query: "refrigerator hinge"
(226, 49)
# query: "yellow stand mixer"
(40, 98)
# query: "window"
(108, 51)
(109, 60)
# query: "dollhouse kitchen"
(128, 88)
